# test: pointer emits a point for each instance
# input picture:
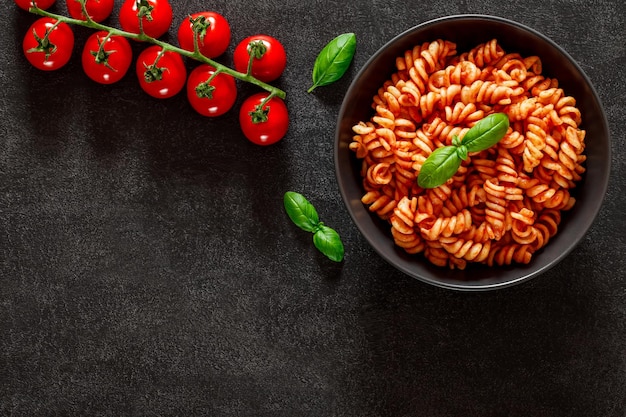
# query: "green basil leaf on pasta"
(328, 242)
(300, 211)
(439, 167)
(333, 61)
(486, 133)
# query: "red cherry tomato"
(106, 59)
(161, 74)
(212, 99)
(271, 63)
(216, 38)
(98, 10)
(42, 4)
(156, 19)
(48, 44)
(267, 125)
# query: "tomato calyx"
(144, 9)
(152, 72)
(43, 44)
(101, 56)
(205, 89)
(259, 114)
(199, 26)
(257, 49)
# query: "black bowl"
(468, 31)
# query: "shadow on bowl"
(467, 31)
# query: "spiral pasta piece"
(403, 226)
(446, 226)
(496, 207)
(508, 254)
(379, 203)
(466, 249)
(536, 133)
(484, 54)
(489, 92)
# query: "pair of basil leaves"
(445, 161)
(303, 214)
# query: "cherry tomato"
(161, 74)
(106, 59)
(270, 58)
(267, 125)
(42, 4)
(48, 44)
(98, 10)
(156, 16)
(212, 99)
(216, 36)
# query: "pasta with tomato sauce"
(504, 203)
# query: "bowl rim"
(461, 285)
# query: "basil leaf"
(300, 211)
(333, 61)
(486, 133)
(439, 167)
(328, 242)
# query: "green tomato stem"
(249, 69)
(256, 50)
(195, 55)
(83, 6)
(267, 99)
(215, 74)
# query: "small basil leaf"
(439, 167)
(328, 242)
(486, 133)
(300, 211)
(333, 61)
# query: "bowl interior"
(468, 31)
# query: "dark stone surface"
(147, 267)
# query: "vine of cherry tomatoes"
(162, 73)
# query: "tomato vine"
(167, 47)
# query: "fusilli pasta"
(503, 204)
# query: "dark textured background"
(147, 267)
